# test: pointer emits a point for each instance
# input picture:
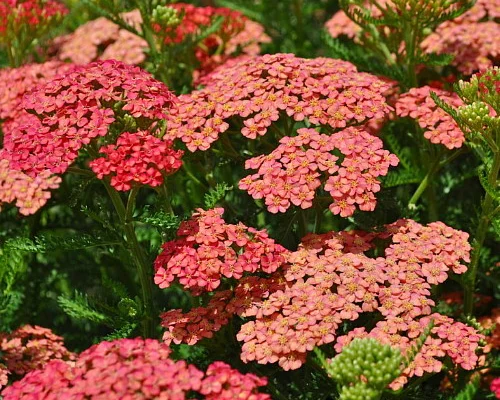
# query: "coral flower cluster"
(28, 193)
(71, 110)
(471, 38)
(14, 14)
(102, 39)
(133, 369)
(439, 126)
(258, 91)
(136, 158)
(209, 250)
(292, 172)
(29, 348)
(329, 280)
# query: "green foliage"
(124, 332)
(470, 390)
(79, 308)
(215, 195)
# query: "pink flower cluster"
(4, 375)
(68, 112)
(133, 369)
(102, 39)
(15, 82)
(259, 91)
(439, 126)
(136, 158)
(209, 250)
(28, 13)
(29, 193)
(495, 387)
(328, 281)
(448, 338)
(30, 348)
(292, 172)
(471, 38)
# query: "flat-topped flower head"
(68, 112)
(258, 91)
(123, 368)
(29, 348)
(208, 250)
(28, 193)
(301, 164)
(439, 127)
(136, 158)
(327, 281)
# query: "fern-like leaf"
(216, 194)
(79, 308)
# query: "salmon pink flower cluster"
(68, 112)
(471, 38)
(125, 367)
(447, 338)
(326, 282)
(28, 193)
(15, 82)
(102, 39)
(30, 348)
(136, 158)
(439, 127)
(293, 172)
(209, 250)
(259, 91)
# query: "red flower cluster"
(71, 110)
(327, 281)
(30, 348)
(136, 157)
(439, 126)
(302, 163)
(448, 338)
(28, 13)
(471, 38)
(495, 387)
(126, 367)
(258, 91)
(102, 39)
(209, 250)
(29, 193)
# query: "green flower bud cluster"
(365, 368)
(475, 115)
(165, 16)
(483, 87)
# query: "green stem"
(487, 209)
(125, 215)
(164, 191)
(424, 184)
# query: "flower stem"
(487, 212)
(424, 184)
(125, 215)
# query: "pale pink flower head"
(439, 127)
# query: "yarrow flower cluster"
(29, 348)
(15, 82)
(495, 387)
(29, 193)
(439, 126)
(68, 112)
(329, 280)
(136, 158)
(258, 91)
(292, 172)
(209, 250)
(124, 368)
(102, 39)
(471, 38)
